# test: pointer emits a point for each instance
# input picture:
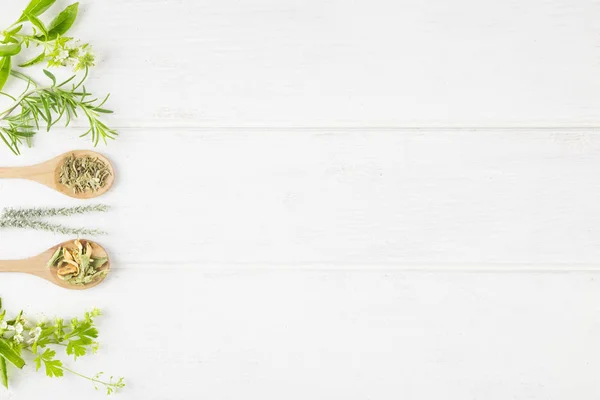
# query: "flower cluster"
(20, 337)
(50, 44)
(18, 333)
(66, 51)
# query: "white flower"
(18, 328)
(3, 325)
(18, 338)
(35, 333)
(62, 56)
(73, 44)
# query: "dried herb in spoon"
(84, 173)
(78, 265)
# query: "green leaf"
(11, 354)
(8, 36)
(3, 372)
(86, 330)
(54, 368)
(4, 70)
(51, 76)
(100, 261)
(33, 61)
(44, 339)
(15, 30)
(63, 21)
(9, 49)
(36, 8)
(38, 24)
(77, 347)
(9, 39)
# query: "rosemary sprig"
(38, 106)
(47, 105)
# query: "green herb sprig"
(44, 106)
(31, 218)
(22, 339)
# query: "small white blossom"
(18, 338)
(3, 325)
(19, 328)
(63, 55)
(73, 44)
(35, 333)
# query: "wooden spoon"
(38, 265)
(48, 173)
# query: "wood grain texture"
(338, 63)
(303, 183)
(319, 334)
(397, 198)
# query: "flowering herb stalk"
(21, 339)
(31, 218)
(47, 105)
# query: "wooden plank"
(348, 335)
(382, 198)
(334, 63)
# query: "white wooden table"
(328, 199)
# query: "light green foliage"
(10, 49)
(31, 218)
(43, 106)
(46, 106)
(3, 372)
(63, 21)
(54, 368)
(4, 70)
(21, 337)
(8, 352)
(35, 8)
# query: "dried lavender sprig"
(36, 213)
(45, 226)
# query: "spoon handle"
(14, 172)
(14, 266)
(42, 173)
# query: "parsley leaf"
(77, 347)
(54, 368)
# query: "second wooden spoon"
(48, 173)
(38, 266)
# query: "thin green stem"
(45, 44)
(6, 113)
(89, 378)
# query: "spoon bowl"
(38, 265)
(48, 173)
